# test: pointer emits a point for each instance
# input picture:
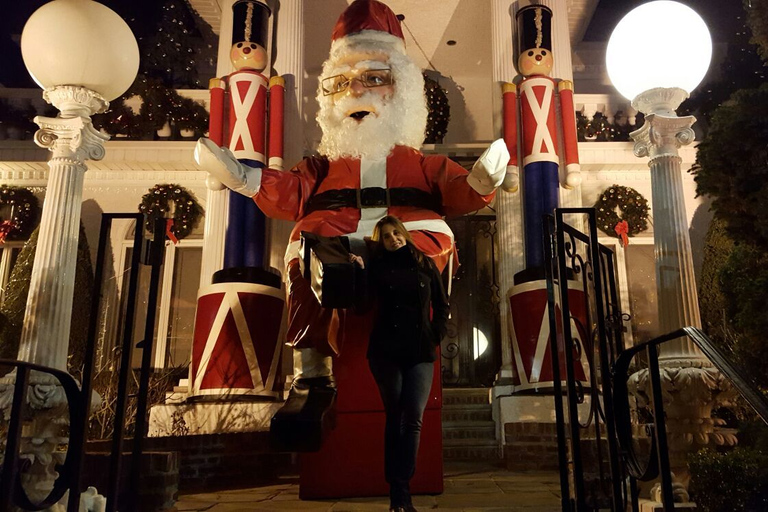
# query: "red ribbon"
(169, 233)
(622, 228)
(5, 228)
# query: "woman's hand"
(354, 258)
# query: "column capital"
(71, 136)
(662, 136)
(73, 100)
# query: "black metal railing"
(587, 444)
(658, 463)
(600, 466)
(12, 491)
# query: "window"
(636, 269)
(176, 299)
(9, 253)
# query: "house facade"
(467, 47)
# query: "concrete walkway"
(469, 487)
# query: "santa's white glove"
(572, 176)
(489, 170)
(221, 164)
(511, 179)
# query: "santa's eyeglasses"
(370, 79)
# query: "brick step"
(475, 433)
(471, 452)
(454, 396)
(469, 442)
(464, 414)
(469, 424)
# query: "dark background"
(142, 16)
(724, 17)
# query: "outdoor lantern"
(675, 52)
(80, 43)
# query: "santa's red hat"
(367, 25)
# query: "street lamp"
(83, 55)
(657, 71)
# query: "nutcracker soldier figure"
(235, 348)
(536, 97)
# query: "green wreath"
(632, 205)
(24, 209)
(158, 202)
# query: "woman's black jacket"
(403, 330)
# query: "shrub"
(729, 482)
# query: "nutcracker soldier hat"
(534, 28)
(250, 22)
(367, 26)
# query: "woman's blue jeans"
(404, 391)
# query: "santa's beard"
(398, 120)
(373, 137)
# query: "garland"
(165, 198)
(634, 212)
(23, 215)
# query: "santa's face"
(247, 55)
(535, 61)
(370, 101)
(361, 84)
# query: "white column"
(215, 230)
(217, 198)
(660, 138)
(72, 138)
(289, 63)
(509, 215)
(692, 384)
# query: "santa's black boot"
(308, 414)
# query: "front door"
(471, 351)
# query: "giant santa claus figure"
(373, 116)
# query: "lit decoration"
(600, 130)
(174, 42)
(621, 212)
(159, 105)
(439, 111)
(172, 202)
(23, 215)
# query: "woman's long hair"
(393, 221)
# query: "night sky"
(12, 70)
(722, 16)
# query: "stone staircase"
(469, 432)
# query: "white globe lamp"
(80, 43)
(673, 58)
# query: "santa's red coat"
(285, 195)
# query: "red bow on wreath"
(5, 228)
(169, 232)
(622, 228)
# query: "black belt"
(373, 197)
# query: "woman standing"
(402, 346)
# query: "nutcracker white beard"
(399, 120)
